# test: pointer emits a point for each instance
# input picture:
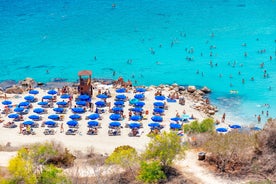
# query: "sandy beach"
(102, 142)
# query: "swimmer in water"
(113, 5)
(47, 71)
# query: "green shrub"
(207, 125)
(151, 172)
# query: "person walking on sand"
(223, 118)
(61, 128)
(259, 118)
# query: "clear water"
(63, 37)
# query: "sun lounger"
(25, 132)
(114, 131)
(92, 131)
(71, 131)
(10, 125)
(49, 132)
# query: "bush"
(151, 172)
(207, 125)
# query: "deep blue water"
(149, 42)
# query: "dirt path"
(193, 169)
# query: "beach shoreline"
(102, 143)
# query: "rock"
(174, 85)
(191, 89)
(14, 90)
(205, 89)
(211, 112)
(181, 88)
(28, 82)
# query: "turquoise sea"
(217, 43)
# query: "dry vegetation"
(247, 154)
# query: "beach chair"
(71, 131)
(10, 125)
(49, 132)
(92, 131)
(25, 132)
(114, 131)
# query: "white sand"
(102, 143)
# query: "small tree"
(21, 168)
(151, 172)
(125, 156)
(52, 174)
(230, 151)
(164, 148)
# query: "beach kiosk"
(85, 84)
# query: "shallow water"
(149, 42)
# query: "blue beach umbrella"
(141, 90)
(139, 96)
(7, 102)
(51, 123)
(117, 109)
(62, 103)
(175, 126)
(52, 92)
(160, 97)
(84, 97)
(18, 109)
(13, 116)
(93, 116)
(120, 97)
(115, 117)
(139, 104)
(133, 101)
(29, 98)
(34, 117)
(38, 110)
(256, 128)
(121, 90)
(74, 116)
(47, 97)
(154, 125)
(158, 110)
(158, 104)
(157, 118)
(134, 125)
(24, 104)
(81, 103)
(28, 123)
(235, 126)
(135, 118)
(65, 96)
(221, 130)
(72, 123)
(93, 123)
(42, 103)
(102, 96)
(100, 104)
(176, 119)
(33, 92)
(54, 117)
(58, 110)
(136, 109)
(119, 103)
(115, 124)
(78, 110)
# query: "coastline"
(102, 143)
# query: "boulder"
(211, 112)
(191, 89)
(14, 90)
(205, 89)
(28, 82)
(181, 88)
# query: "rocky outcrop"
(205, 90)
(191, 89)
(28, 82)
(14, 90)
